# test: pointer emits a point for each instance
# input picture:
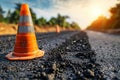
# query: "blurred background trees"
(115, 18)
(13, 17)
(1, 14)
(102, 23)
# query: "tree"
(8, 14)
(7, 18)
(115, 18)
(75, 25)
(61, 20)
(1, 14)
(41, 21)
(52, 21)
(15, 15)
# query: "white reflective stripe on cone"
(25, 29)
(25, 19)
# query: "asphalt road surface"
(69, 55)
(107, 48)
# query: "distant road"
(107, 47)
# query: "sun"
(96, 12)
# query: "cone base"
(11, 56)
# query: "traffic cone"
(57, 29)
(26, 47)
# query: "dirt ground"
(9, 29)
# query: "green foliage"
(7, 18)
(41, 21)
(13, 17)
(18, 5)
(68, 25)
(75, 25)
(61, 20)
(52, 21)
(1, 14)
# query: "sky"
(84, 12)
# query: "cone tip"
(24, 10)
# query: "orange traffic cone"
(57, 29)
(26, 45)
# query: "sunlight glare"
(96, 12)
